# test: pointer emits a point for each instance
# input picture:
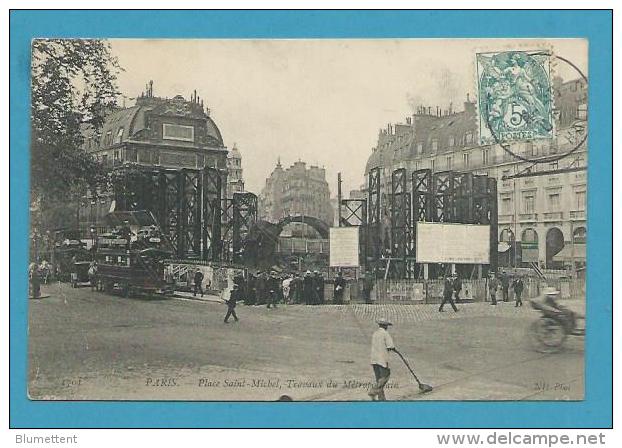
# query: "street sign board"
(452, 243)
(344, 247)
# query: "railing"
(528, 217)
(577, 214)
(553, 216)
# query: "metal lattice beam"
(244, 217)
(212, 196)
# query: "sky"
(320, 101)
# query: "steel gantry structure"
(188, 205)
(446, 196)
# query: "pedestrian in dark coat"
(35, 281)
(517, 284)
(505, 286)
(457, 285)
(273, 290)
(339, 288)
(251, 290)
(493, 284)
(308, 288)
(260, 288)
(198, 282)
(368, 286)
(319, 288)
(234, 296)
(448, 292)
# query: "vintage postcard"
(308, 219)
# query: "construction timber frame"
(447, 196)
(244, 217)
(402, 232)
(354, 214)
(374, 220)
(185, 203)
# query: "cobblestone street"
(88, 345)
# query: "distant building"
(168, 132)
(543, 210)
(296, 191)
(235, 178)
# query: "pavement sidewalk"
(205, 298)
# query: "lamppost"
(93, 231)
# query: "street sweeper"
(381, 345)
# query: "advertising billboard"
(452, 243)
(344, 247)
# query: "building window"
(432, 164)
(116, 155)
(529, 203)
(580, 200)
(177, 132)
(582, 112)
(553, 166)
(554, 201)
(465, 159)
(420, 148)
(468, 137)
(452, 141)
(435, 145)
(119, 137)
(485, 154)
(108, 138)
(449, 162)
(507, 205)
(579, 235)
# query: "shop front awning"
(568, 253)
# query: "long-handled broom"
(422, 386)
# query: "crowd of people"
(271, 288)
(503, 281)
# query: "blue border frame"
(594, 412)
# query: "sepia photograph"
(326, 220)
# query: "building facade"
(163, 132)
(542, 206)
(168, 132)
(235, 176)
(296, 191)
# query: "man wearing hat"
(234, 296)
(273, 289)
(518, 287)
(493, 284)
(381, 345)
(308, 288)
(339, 288)
(448, 291)
(198, 282)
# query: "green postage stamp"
(514, 96)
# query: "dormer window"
(119, 136)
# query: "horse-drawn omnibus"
(130, 257)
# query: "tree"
(73, 87)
